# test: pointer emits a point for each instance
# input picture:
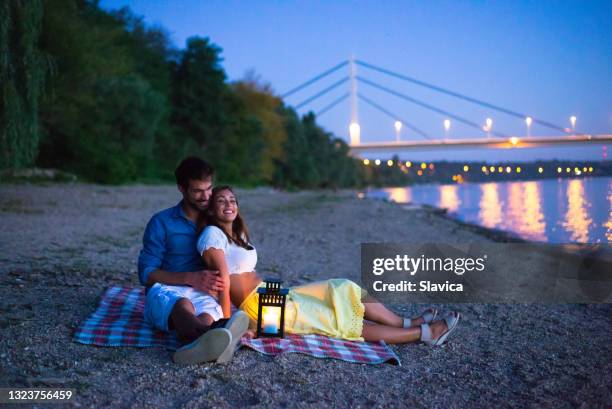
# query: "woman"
(332, 307)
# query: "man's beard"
(199, 206)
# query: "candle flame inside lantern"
(271, 320)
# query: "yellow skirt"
(331, 307)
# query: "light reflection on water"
(558, 211)
(448, 197)
(577, 220)
(399, 194)
(534, 222)
(609, 223)
(490, 206)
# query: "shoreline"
(497, 235)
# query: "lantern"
(271, 309)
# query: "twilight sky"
(549, 59)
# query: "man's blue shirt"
(169, 243)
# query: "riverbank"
(62, 245)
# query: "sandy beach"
(62, 245)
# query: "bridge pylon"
(354, 128)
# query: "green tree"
(123, 104)
(153, 54)
(199, 96)
(100, 115)
(209, 115)
(261, 103)
(297, 168)
(23, 69)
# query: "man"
(179, 290)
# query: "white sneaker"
(208, 347)
(238, 324)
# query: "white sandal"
(429, 315)
(451, 323)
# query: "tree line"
(111, 99)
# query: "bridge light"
(567, 170)
(492, 169)
(454, 178)
(431, 166)
(389, 162)
(420, 172)
(398, 129)
(489, 127)
(508, 169)
(355, 132)
(528, 121)
(573, 122)
(584, 169)
(484, 169)
(423, 165)
(514, 140)
(366, 162)
(377, 162)
(518, 169)
(576, 170)
(466, 168)
(408, 164)
(540, 169)
(590, 169)
(559, 170)
(447, 124)
(500, 169)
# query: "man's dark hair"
(192, 168)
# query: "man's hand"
(208, 281)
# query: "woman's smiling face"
(225, 206)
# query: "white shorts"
(161, 299)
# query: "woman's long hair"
(240, 232)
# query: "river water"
(550, 210)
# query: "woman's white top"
(238, 259)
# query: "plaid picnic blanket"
(119, 321)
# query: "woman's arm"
(215, 260)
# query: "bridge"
(490, 138)
(512, 142)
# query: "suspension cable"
(321, 93)
(430, 107)
(461, 96)
(393, 116)
(314, 79)
(333, 104)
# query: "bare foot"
(437, 329)
(415, 322)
